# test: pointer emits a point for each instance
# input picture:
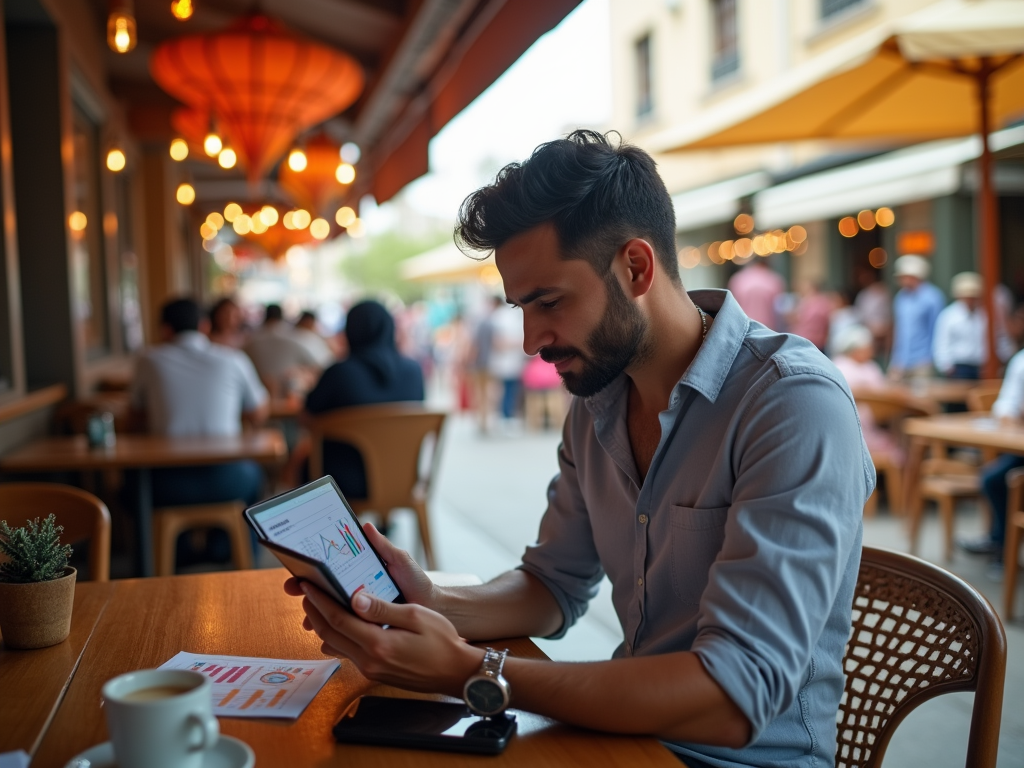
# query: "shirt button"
(642, 518)
(640, 582)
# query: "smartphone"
(424, 724)
(315, 534)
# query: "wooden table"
(144, 453)
(147, 621)
(971, 430)
(947, 391)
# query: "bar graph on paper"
(245, 686)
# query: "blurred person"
(306, 333)
(480, 362)
(811, 316)
(227, 324)
(374, 372)
(544, 395)
(188, 386)
(874, 308)
(843, 315)
(713, 469)
(855, 351)
(757, 288)
(960, 346)
(915, 309)
(284, 364)
(507, 361)
(452, 346)
(1009, 409)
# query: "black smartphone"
(422, 724)
(315, 534)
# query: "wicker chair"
(389, 438)
(918, 632)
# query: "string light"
(115, 160)
(297, 160)
(77, 221)
(121, 33)
(345, 174)
(186, 194)
(231, 212)
(179, 149)
(350, 152)
(320, 229)
(182, 10)
(345, 216)
(227, 158)
(212, 144)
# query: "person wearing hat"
(960, 346)
(915, 309)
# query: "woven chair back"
(918, 632)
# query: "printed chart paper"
(245, 686)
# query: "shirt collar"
(191, 340)
(710, 367)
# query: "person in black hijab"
(374, 372)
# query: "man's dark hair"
(273, 312)
(597, 195)
(181, 315)
(306, 317)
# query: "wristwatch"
(487, 693)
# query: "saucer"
(228, 753)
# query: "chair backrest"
(389, 438)
(918, 632)
(890, 406)
(83, 516)
(982, 398)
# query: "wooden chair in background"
(390, 439)
(1014, 530)
(918, 632)
(980, 399)
(944, 481)
(84, 517)
(170, 522)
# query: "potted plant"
(37, 587)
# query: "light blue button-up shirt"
(914, 315)
(743, 542)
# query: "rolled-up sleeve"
(564, 557)
(801, 482)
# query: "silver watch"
(487, 693)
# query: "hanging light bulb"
(297, 160)
(182, 9)
(186, 194)
(121, 34)
(115, 160)
(227, 158)
(350, 152)
(179, 149)
(346, 173)
(212, 144)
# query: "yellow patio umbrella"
(447, 264)
(952, 69)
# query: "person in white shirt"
(960, 342)
(1008, 407)
(282, 361)
(306, 334)
(188, 386)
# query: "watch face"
(485, 696)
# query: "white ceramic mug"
(160, 718)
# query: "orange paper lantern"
(264, 83)
(276, 240)
(316, 187)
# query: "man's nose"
(535, 336)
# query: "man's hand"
(419, 650)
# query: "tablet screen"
(320, 525)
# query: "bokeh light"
(115, 160)
(320, 228)
(212, 144)
(186, 194)
(743, 224)
(179, 149)
(848, 226)
(231, 212)
(866, 220)
(884, 217)
(877, 257)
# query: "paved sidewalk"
(487, 507)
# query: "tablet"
(424, 724)
(314, 528)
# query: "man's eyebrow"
(533, 295)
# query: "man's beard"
(619, 340)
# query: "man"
(713, 469)
(188, 387)
(915, 310)
(757, 288)
(283, 363)
(960, 346)
(305, 332)
(1008, 407)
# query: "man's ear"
(636, 263)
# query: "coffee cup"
(160, 718)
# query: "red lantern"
(264, 84)
(316, 187)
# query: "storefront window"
(86, 225)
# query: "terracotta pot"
(37, 615)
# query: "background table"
(145, 622)
(144, 453)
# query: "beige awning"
(447, 264)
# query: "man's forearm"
(512, 605)
(669, 696)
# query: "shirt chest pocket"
(696, 537)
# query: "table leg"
(144, 523)
(912, 490)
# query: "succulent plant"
(34, 552)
